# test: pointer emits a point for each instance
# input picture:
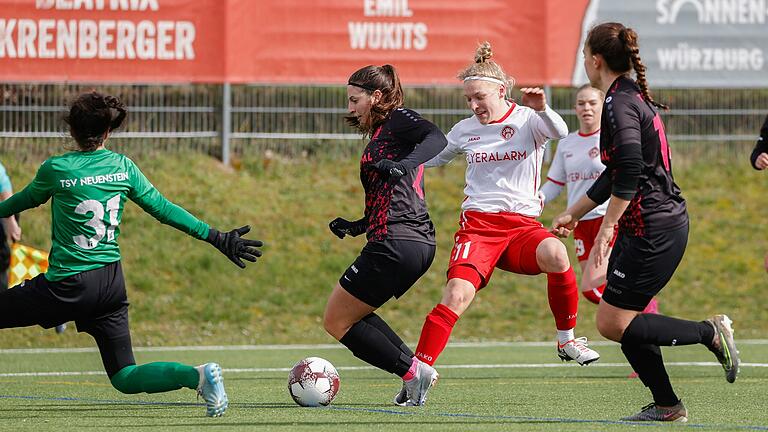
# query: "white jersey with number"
(576, 166)
(504, 159)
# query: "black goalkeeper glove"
(390, 168)
(342, 227)
(234, 246)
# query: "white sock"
(564, 336)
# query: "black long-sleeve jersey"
(762, 144)
(634, 149)
(394, 206)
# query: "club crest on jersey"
(594, 152)
(507, 132)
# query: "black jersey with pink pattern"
(635, 151)
(395, 207)
(762, 144)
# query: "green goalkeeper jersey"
(88, 191)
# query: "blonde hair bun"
(483, 53)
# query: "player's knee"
(609, 329)
(552, 256)
(336, 326)
(458, 296)
(332, 326)
(122, 381)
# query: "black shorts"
(386, 269)
(95, 300)
(639, 267)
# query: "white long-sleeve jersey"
(503, 159)
(576, 166)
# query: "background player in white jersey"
(576, 166)
(503, 144)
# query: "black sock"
(371, 345)
(667, 331)
(646, 360)
(384, 328)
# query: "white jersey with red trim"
(504, 159)
(576, 166)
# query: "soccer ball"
(313, 382)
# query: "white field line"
(359, 368)
(313, 347)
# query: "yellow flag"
(26, 263)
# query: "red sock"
(411, 371)
(595, 294)
(435, 333)
(563, 293)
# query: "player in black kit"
(759, 158)
(653, 224)
(401, 237)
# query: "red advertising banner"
(112, 40)
(283, 41)
(428, 41)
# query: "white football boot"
(211, 388)
(577, 349)
(417, 388)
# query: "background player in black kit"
(401, 237)
(653, 224)
(759, 159)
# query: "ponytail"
(629, 38)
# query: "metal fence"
(301, 121)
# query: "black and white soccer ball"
(313, 382)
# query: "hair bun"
(116, 111)
(483, 53)
(628, 37)
(114, 102)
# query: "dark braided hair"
(619, 47)
(91, 116)
(372, 78)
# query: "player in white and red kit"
(576, 166)
(503, 144)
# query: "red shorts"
(584, 237)
(485, 241)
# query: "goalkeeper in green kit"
(84, 282)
